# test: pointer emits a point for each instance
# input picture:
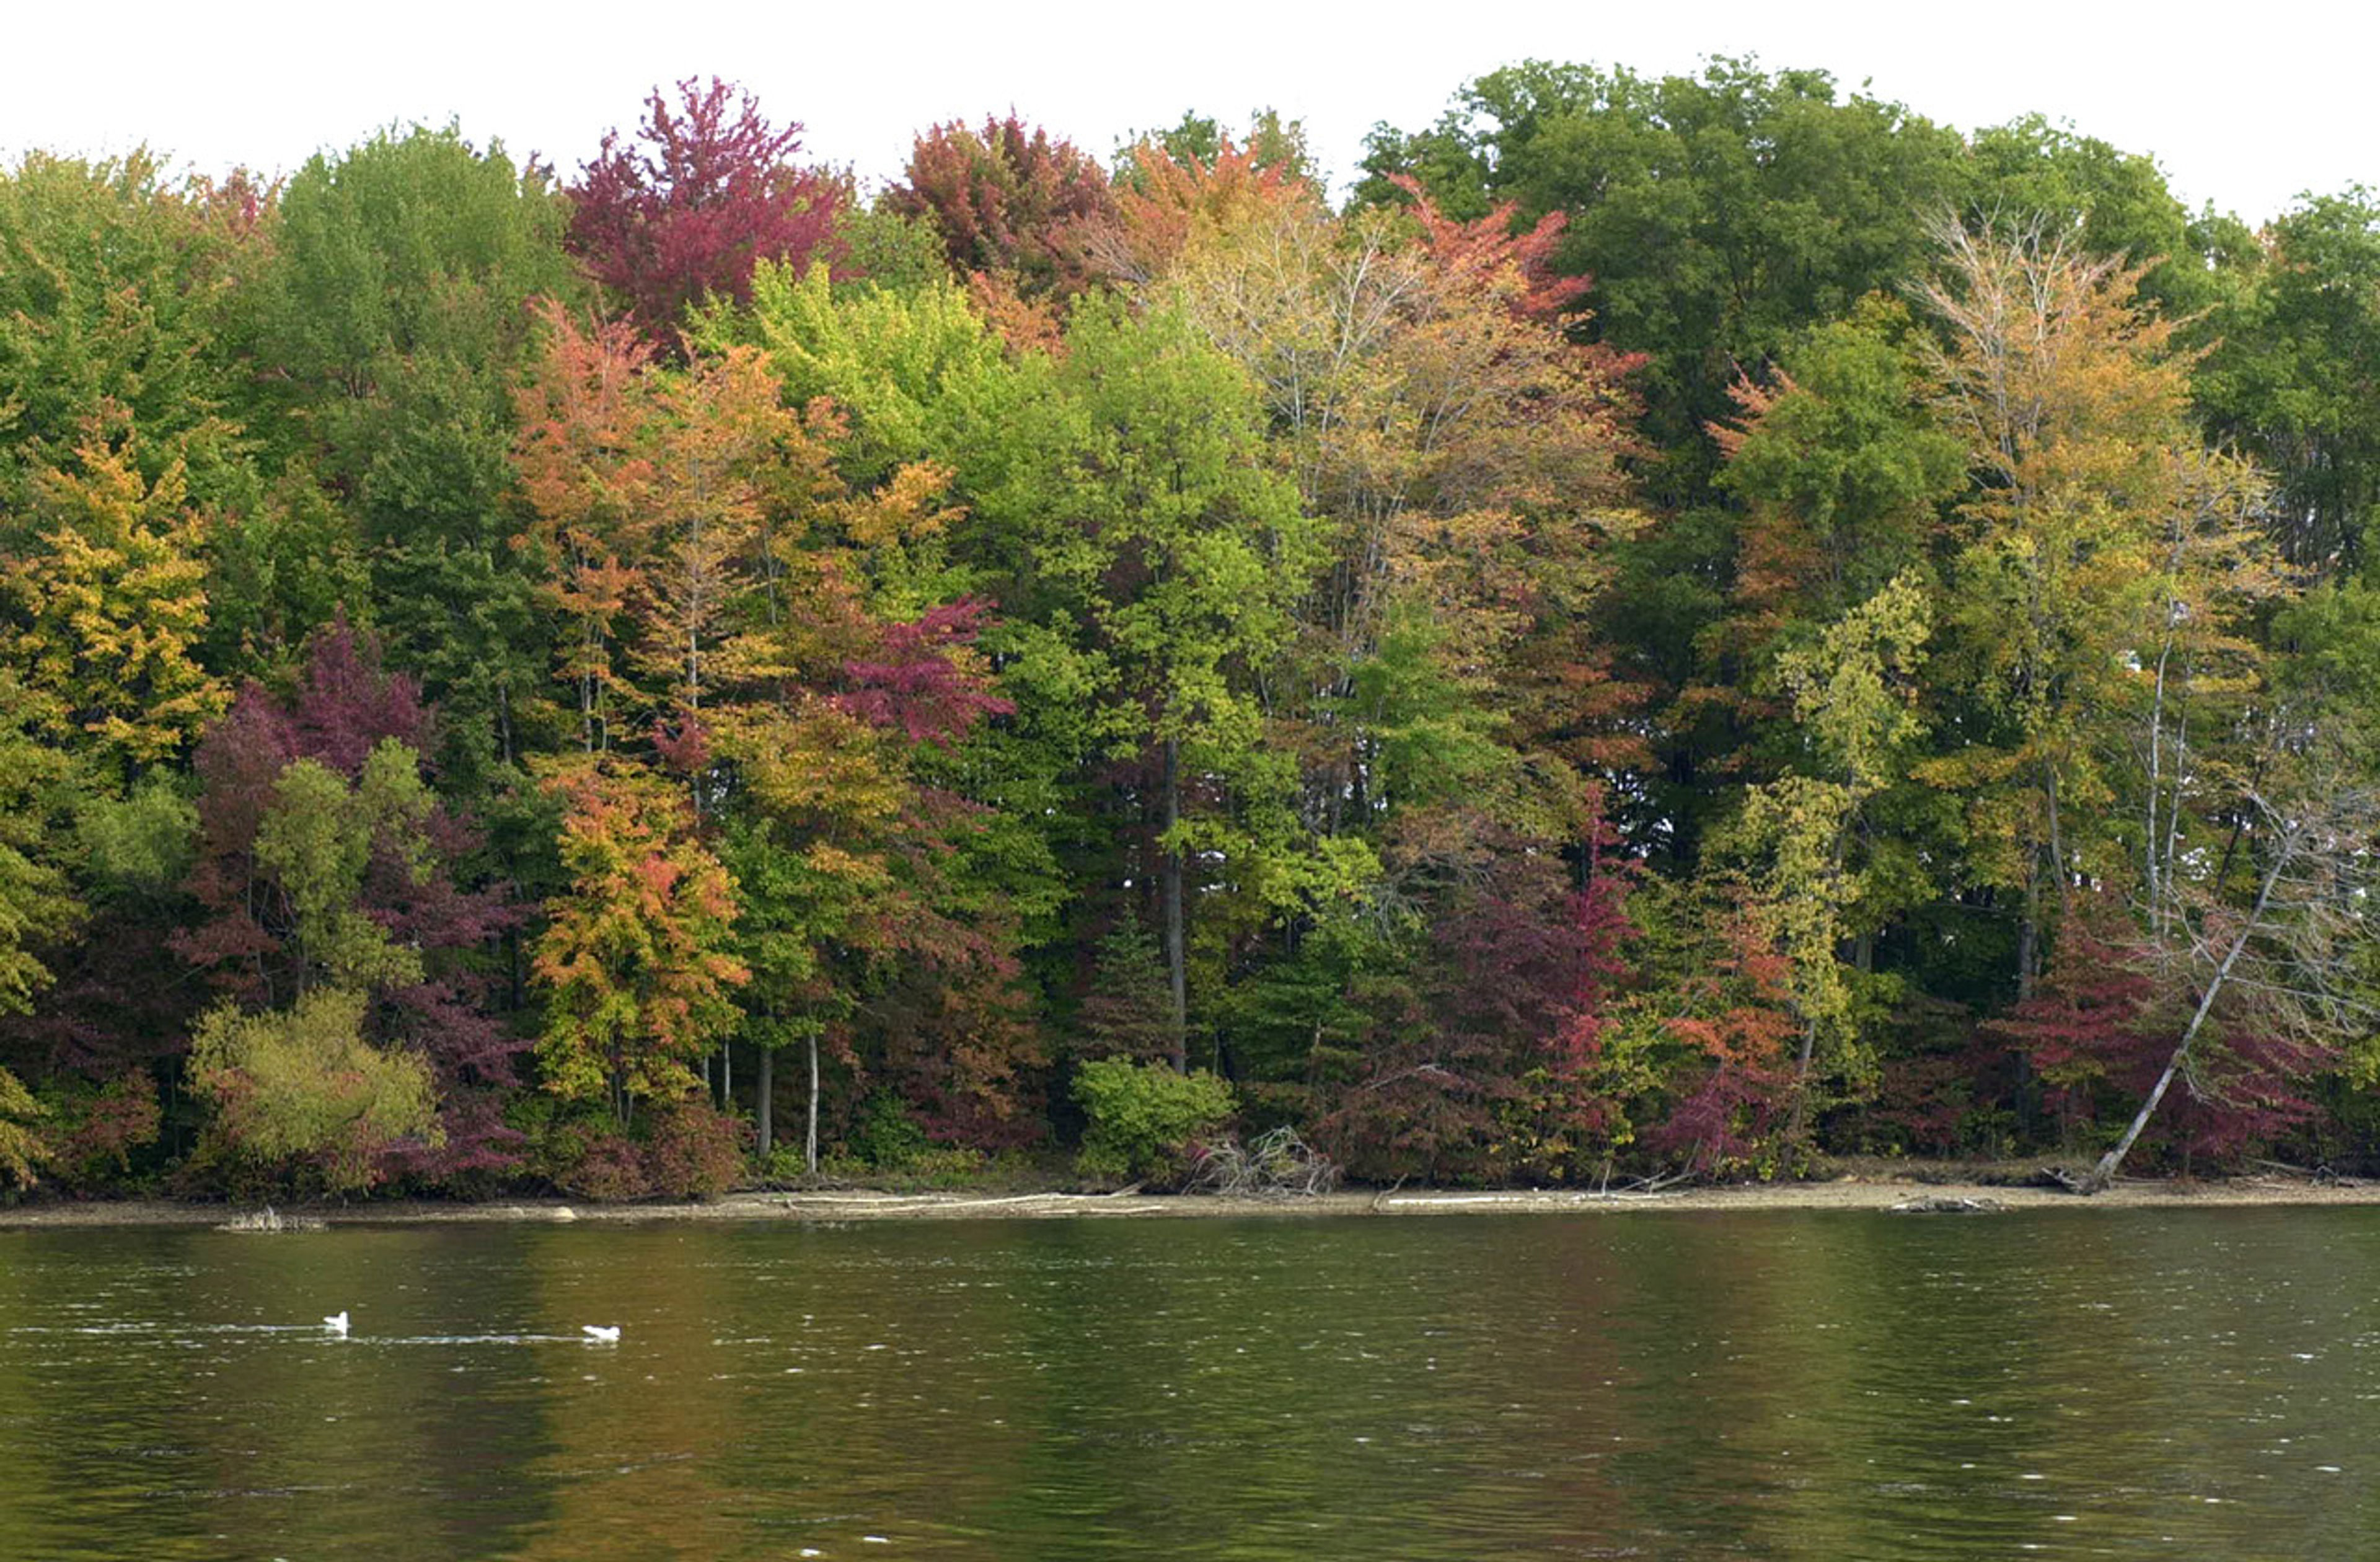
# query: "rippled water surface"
(2195, 1384)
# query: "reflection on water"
(2085, 1383)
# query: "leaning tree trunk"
(2103, 1176)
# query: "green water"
(2181, 1384)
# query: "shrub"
(606, 1165)
(680, 1150)
(98, 1127)
(1143, 1119)
(694, 1150)
(301, 1088)
(884, 1135)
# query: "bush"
(884, 1136)
(939, 1165)
(1144, 1120)
(605, 1165)
(98, 1127)
(679, 1150)
(300, 1087)
(694, 1150)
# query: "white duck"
(601, 1334)
(337, 1323)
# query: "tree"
(1010, 200)
(2100, 533)
(326, 861)
(638, 957)
(37, 907)
(856, 856)
(706, 191)
(2279, 961)
(114, 286)
(654, 498)
(1719, 213)
(390, 317)
(1128, 1008)
(1843, 474)
(104, 606)
(1803, 842)
(1272, 141)
(1189, 557)
(384, 337)
(2293, 375)
(1479, 1049)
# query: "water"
(2192, 1383)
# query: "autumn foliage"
(1630, 646)
(705, 190)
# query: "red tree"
(1009, 198)
(1481, 1061)
(2100, 1031)
(704, 192)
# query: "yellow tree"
(105, 593)
(2094, 563)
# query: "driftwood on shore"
(270, 1221)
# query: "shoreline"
(1869, 1194)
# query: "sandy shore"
(1877, 1194)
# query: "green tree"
(318, 837)
(390, 322)
(113, 282)
(384, 340)
(301, 1088)
(1719, 214)
(2294, 376)
(1189, 554)
(1803, 844)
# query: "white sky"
(2245, 106)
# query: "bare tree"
(2282, 963)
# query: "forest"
(1669, 626)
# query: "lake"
(2195, 1383)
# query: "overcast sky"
(2245, 106)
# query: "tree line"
(1684, 624)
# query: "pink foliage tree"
(705, 192)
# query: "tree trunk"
(2057, 854)
(1795, 1123)
(809, 1153)
(2028, 932)
(2103, 1176)
(765, 1100)
(1177, 975)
